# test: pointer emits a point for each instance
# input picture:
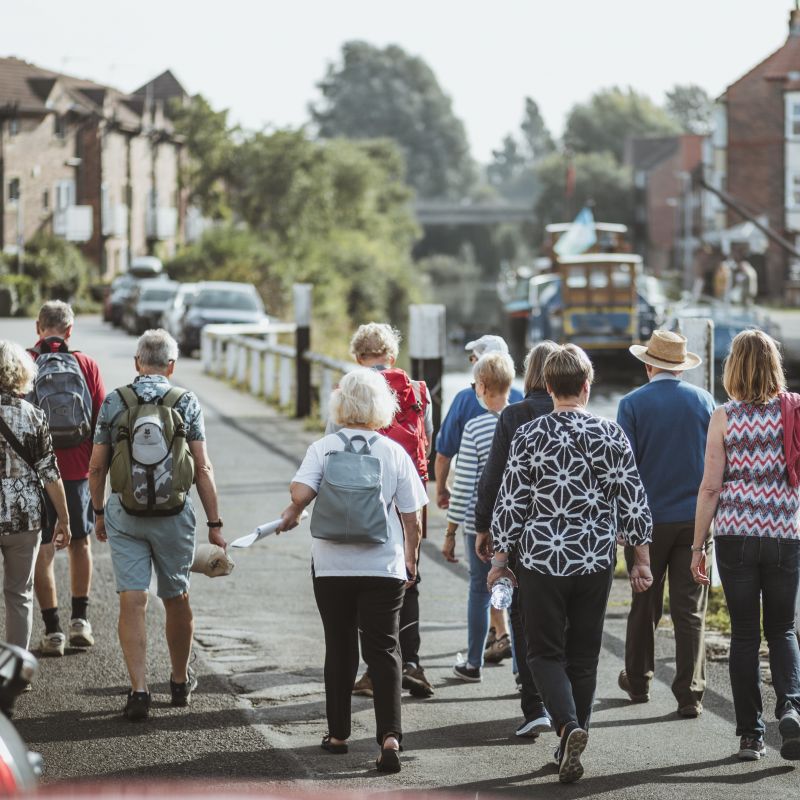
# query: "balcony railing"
(73, 223)
(162, 223)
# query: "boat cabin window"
(621, 277)
(598, 279)
(576, 278)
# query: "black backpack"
(61, 391)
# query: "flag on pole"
(580, 236)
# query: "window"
(65, 194)
(13, 190)
(794, 190)
(45, 200)
(59, 126)
(13, 127)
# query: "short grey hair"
(156, 348)
(17, 369)
(363, 398)
(56, 315)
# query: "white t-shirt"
(401, 486)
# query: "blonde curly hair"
(375, 339)
(17, 369)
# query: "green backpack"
(152, 468)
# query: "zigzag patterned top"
(756, 498)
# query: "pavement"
(259, 713)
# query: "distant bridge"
(434, 212)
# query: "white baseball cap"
(488, 344)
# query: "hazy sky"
(262, 58)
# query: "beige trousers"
(19, 558)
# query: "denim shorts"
(79, 506)
(143, 545)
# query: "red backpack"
(408, 425)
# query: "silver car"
(172, 318)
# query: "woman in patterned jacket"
(756, 515)
(570, 487)
(23, 428)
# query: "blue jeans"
(477, 604)
(755, 570)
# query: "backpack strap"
(129, 396)
(17, 446)
(172, 397)
(348, 443)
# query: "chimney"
(794, 20)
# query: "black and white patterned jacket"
(551, 508)
(20, 500)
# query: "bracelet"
(702, 548)
(496, 563)
(99, 512)
(449, 534)
(217, 524)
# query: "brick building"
(754, 152)
(87, 162)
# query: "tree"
(691, 107)
(507, 163)
(209, 143)
(598, 177)
(538, 140)
(610, 117)
(386, 92)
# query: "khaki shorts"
(143, 545)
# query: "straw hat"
(666, 350)
(212, 560)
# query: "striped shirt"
(476, 442)
(756, 498)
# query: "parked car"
(121, 295)
(147, 302)
(217, 302)
(172, 318)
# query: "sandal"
(335, 749)
(389, 759)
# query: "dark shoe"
(499, 650)
(182, 692)
(491, 638)
(532, 727)
(690, 711)
(137, 709)
(468, 674)
(388, 760)
(625, 685)
(363, 686)
(789, 728)
(751, 748)
(415, 681)
(573, 743)
(336, 749)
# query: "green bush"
(59, 267)
(19, 296)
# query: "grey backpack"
(349, 508)
(61, 391)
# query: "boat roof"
(609, 227)
(601, 258)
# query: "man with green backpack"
(150, 439)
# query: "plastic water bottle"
(502, 592)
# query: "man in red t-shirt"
(54, 327)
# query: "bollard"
(255, 372)
(302, 317)
(426, 348)
(699, 333)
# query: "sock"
(80, 606)
(51, 623)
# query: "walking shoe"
(52, 644)
(499, 650)
(137, 709)
(573, 743)
(491, 638)
(532, 727)
(751, 748)
(789, 729)
(182, 692)
(415, 681)
(625, 685)
(466, 673)
(80, 633)
(363, 685)
(690, 711)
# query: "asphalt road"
(258, 714)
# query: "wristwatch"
(99, 512)
(217, 524)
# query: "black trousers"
(563, 619)
(409, 625)
(371, 606)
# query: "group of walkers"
(60, 437)
(544, 493)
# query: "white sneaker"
(52, 644)
(80, 633)
(534, 726)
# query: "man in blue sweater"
(667, 421)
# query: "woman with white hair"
(27, 463)
(359, 586)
